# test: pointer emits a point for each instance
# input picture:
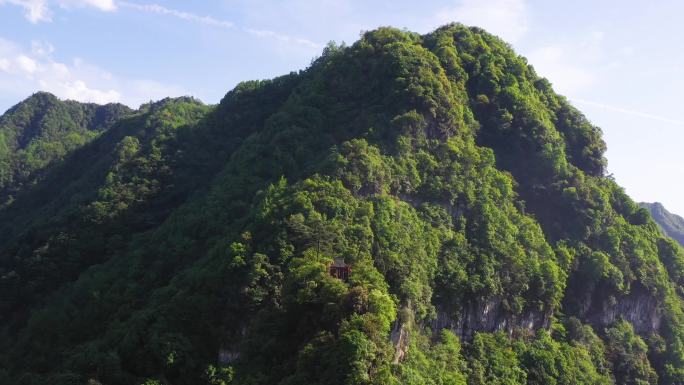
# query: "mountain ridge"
(486, 244)
(42, 129)
(671, 224)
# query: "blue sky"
(620, 62)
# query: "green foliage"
(439, 364)
(43, 129)
(493, 361)
(219, 375)
(627, 352)
(550, 362)
(188, 244)
(671, 224)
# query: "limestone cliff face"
(596, 307)
(400, 339)
(488, 316)
(639, 307)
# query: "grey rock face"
(400, 340)
(639, 307)
(488, 316)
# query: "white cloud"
(23, 72)
(41, 48)
(25, 64)
(505, 18)
(59, 69)
(34, 10)
(39, 10)
(103, 5)
(78, 90)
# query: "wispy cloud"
(25, 71)
(213, 22)
(506, 18)
(102, 5)
(156, 8)
(626, 111)
(37, 11)
(283, 38)
(36, 70)
(34, 10)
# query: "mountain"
(464, 198)
(43, 129)
(672, 224)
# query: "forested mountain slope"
(43, 129)
(191, 244)
(672, 224)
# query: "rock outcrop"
(488, 316)
(639, 307)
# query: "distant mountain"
(466, 202)
(42, 129)
(671, 224)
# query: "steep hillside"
(42, 129)
(672, 224)
(192, 244)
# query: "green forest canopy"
(183, 243)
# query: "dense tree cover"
(43, 129)
(671, 224)
(190, 244)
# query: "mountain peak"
(481, 240)
(41, 129)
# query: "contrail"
(156, 8)
(629, 112)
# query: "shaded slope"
(43, 129)
(672, 224)
(136, 174)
